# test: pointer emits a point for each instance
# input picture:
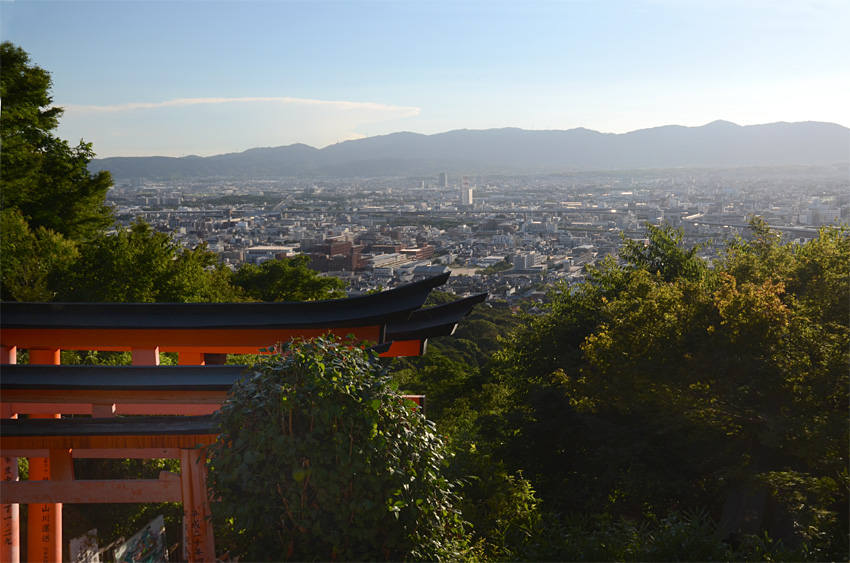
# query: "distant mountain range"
(516, 151)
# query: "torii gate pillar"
(198, 539)
(44, 521)
(10, 522)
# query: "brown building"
(421, 253)
(337, 256)
(333, 247)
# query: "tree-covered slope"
(657, 396)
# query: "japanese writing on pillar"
(47, 513)
(10, 473)
(195, 536)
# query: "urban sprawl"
(510, 236)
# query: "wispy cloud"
(211, 125)
(184, 102)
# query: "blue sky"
(174, 78)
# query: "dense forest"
(664, 409)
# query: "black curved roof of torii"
(126, 426)
(125, 378)
(433, 321)
(386, 307)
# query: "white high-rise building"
(466, 195)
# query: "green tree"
(286, 280)
(43, 176)
(319, 459)
(663, 252)
(30, 261)
(662, 383)
(141, 265)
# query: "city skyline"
(143, 78)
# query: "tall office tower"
(466, 195)
(444, 180)
(466, 192)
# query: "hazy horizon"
(142, 78)
(443, 132)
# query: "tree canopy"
(662, 382)
(31, 261)
(286, 280)
(650, 398)
(44, 177)
(141, 265)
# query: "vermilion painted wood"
(102, 453)
(186, 496)
(10, 547)
(145, 356)
(418, 399)
(8, 355)
(200, 543)
(94, 492)
(47, 408)
(202, 499)
(10, 523)
(190, 359)
(61, 465)
(42, 355)
(44, 521)
(403, 348)
(198, 341)
(103, 410)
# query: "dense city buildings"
(512, 237)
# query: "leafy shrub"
(319, 458)
(679, 536)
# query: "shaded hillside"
(718, 144)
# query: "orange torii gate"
(393, 320)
